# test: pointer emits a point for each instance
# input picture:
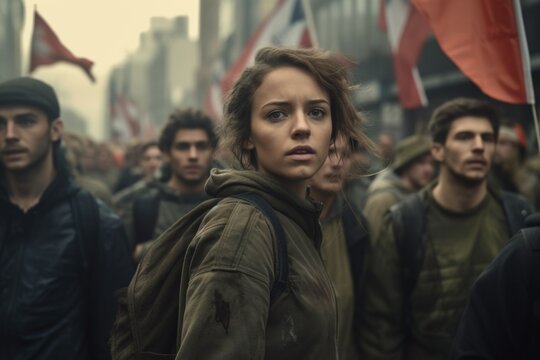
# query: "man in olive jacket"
(62, 253)
(464, 226)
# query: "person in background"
(74, 144)
(130, 171)
(411, 170)
(63, 254)
(384, 154)
(150, 160)
(509, 171)
(434, 244)
(356, 185)
(187, 142)
(345, 240)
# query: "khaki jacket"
(386, 190)
(449, 268)
(229, 271)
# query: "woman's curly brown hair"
(327, 71)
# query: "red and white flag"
(486, 40)
(125, 119)
(407, 32)
(47, 49)
(286, 25)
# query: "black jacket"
(502, 318)
(47, 309)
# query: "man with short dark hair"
(187, 142)
(434, 244)
(62, 253)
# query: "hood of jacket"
(305, 212)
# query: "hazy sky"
(104, 31)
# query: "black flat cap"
(30, 92)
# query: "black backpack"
(144, 328)
(145, 215)
(408, 223)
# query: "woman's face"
(291, 126)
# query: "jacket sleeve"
(114, 271)
(377, 205)
(381, 329)
(231, 272)
(495, 322)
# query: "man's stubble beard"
(192, 183)
(466, 181)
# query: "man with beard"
(435, 243)
(62, 253)
(188, 142)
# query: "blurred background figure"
(151, 205)
(150, 160)
(386, 147)
(74, 144)
(345, 240)
(130, 172)
(358, 181)
(412, 169)
(509, 171)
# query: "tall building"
(11, 25)
(159, 76)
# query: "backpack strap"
(516, 210)
(408, 224)
(145, 215)
(357, 240)
(282, 264)
(85, 212)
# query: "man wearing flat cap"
(435, 243)
(411, 170)
(62, 253)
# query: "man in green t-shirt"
(463, 225)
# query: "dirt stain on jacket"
(223, 312)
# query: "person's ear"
(57, 130)
(437, 151)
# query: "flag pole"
(536, 126)
(310, 21)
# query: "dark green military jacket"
(229, 270)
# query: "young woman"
(280, 119)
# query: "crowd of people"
(270, 236)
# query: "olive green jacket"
(441, 291)
(229, 271)
(386, 190)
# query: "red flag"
(47, 49)
(125, 118)
(486, 40)
(286, 25)
(407, 31)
